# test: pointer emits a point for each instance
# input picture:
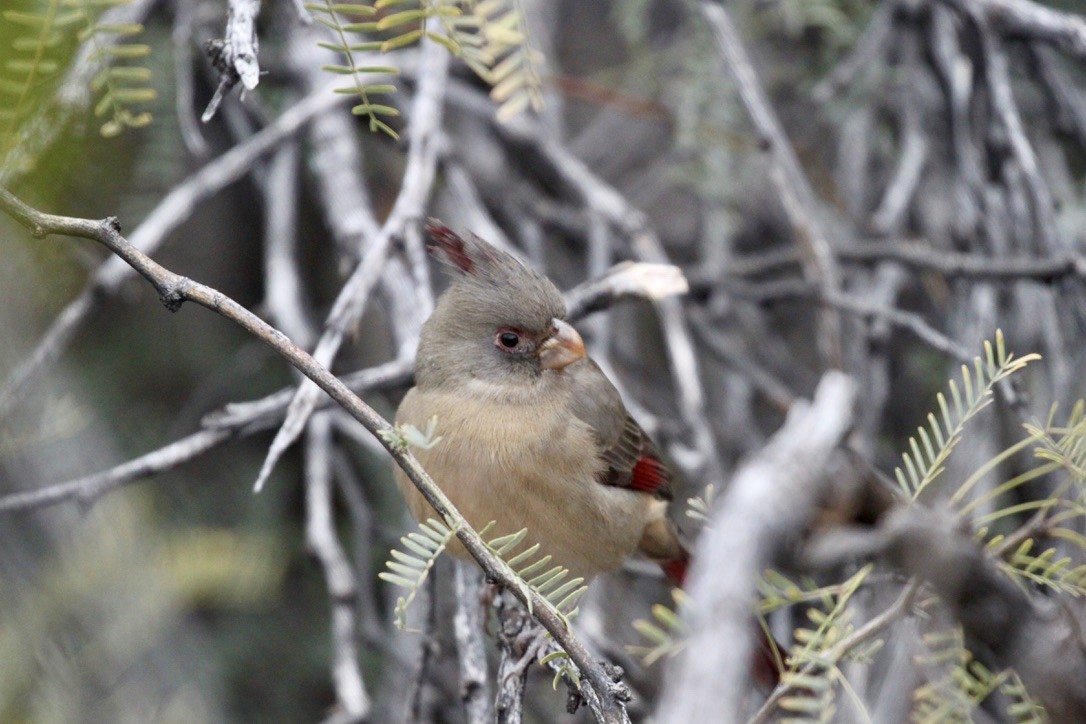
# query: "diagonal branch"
(796, 194)
(169, 214)
(351, 302)
(174, 290)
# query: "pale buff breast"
(526, 467)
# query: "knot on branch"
(173, 294)
(112, 223)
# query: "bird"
(530, 432)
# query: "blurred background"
(917, 132)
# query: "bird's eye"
(509, 340)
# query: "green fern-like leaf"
(331, 15)
(1046, 570)
(1022, 709)
(409, 568)
(932, 446)
(32, 61)
(965, 683)
(119, 85)
(403, 25)
(777, 591)
(666, 636)
(813, 672)
(493, 38)
(552, 583)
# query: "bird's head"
(499, 323)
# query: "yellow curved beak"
(562, 348)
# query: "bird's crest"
(467, 255)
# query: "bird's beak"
(562, 348)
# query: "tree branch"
(770, 498)
(174, 290)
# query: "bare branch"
(235, 56)
(174, 290)
(787, 175)
(352, 702)
(770, 498)
(471, 647)
(408, 209)
(174, 209)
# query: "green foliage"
(932, 446)
(667, 636)
(1055, 448)
(34, 58)
(494, 43)
(410, 567)
(488, 34)
(119, 84)
(330, 15)
(537, 574)
(965, 684)
(777, 591)
(1046, 569)
(43, 37)
(813, 662)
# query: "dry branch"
(174, 290)
(770, 498)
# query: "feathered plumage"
(533, 434)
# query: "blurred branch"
(235, 55)
(174, 290)
(87, 490)
(917, 255)
(1004, 625)
(800, 289)
(174, 209)
(468, 624)
(795, 190)
(870, 45)
(1026, 19)
(352, 702)
(770, 498)
(415, 189)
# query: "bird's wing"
(630, 458)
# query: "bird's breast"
(532, 467)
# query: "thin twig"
(352, 701)
(174, 209)
(796, 194)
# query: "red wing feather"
(649, 475)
